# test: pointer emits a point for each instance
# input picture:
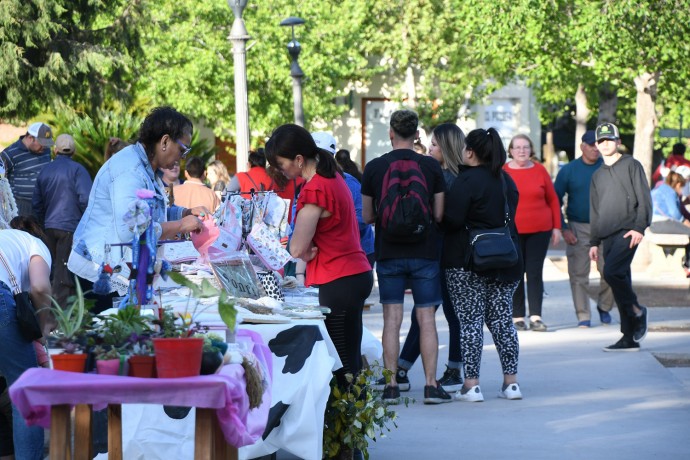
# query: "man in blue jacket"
(59, 200)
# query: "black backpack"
(404, 211)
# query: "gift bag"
(266, 245)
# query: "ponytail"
(488, 148)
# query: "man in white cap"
(59, 200)
(24, 160)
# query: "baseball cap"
(589, 137)
(324, 141)
(65, 144)
(42, 132)
(607, 131)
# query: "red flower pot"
(142, 366)
(69, 362)
(180, 357)
(108, 366)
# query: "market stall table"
(224, 420)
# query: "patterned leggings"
(479, 299)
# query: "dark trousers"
(410, 350)
(345, 297)
(533, 247)
(60, 245)
(618, 256)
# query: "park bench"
(661, 253)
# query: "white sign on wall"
(377, 117)
(503, 115)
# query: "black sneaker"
(451, 380)
(520, 325)
(403, 381)
(640, 331)
(436, 395)
(391, 395)
(623, 345)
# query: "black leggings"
(345, 297)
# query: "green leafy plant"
(226, 306)
(354, 415)
(72, 322)
(116, 329)
(102, 353)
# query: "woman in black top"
(480, 297)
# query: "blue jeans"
(423, 276)
(17, 356)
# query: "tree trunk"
(582, 113)
(645, 119)
(608, 104)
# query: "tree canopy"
(86, 53)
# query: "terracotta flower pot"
(69, 362)
(180, 357)
(142, 366)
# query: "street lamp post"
(239, 37)
(294, 49)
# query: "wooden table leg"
(222, 450)
(114, 432)
(83, 430)
(204, 434)
(60, 432)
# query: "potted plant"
(354, 414)
(142, 362)
(109, 360)
(72, 322)
(178, 354)
(211, 354)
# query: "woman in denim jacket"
(164, 138)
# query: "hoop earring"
(300, 166)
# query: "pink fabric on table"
(38, 389)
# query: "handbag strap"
(506, 218)
(13, 280)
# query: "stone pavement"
(579, 402)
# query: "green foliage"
(72, 320)
(107, 352)
(117, 328)
(355, 414)
(226, 306)
(76, 51)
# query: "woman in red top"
(326, 236)
(256, 178)
(538, 220)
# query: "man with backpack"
(402, 193)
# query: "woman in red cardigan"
(538, 220)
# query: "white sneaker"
(473, 395)
(512, 391)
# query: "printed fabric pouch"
(271, 284)
(266, 245)
(276, 212)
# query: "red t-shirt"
(538, 207)
(256, 178)
(337, 236)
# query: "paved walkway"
(579, 402)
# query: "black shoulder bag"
(493, 248)
(27, 319)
